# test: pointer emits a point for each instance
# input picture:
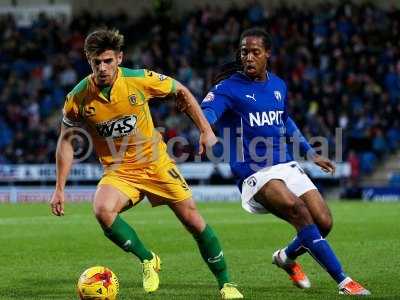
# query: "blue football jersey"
(253, 117)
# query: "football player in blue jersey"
(252, 103)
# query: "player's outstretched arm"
(64, 158)
(295, 135)
(187, 102)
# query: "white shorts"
(290, 173)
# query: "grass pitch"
(41, 256)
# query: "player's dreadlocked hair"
(230, 68)
(102, 40)
(226, 70)
(258, 32)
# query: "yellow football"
(98, 283)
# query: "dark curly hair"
(103, 39)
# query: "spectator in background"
(379, 144)
(341, 59)
(354, 162)
(392, 82)
(255, 13)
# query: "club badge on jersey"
(278, 95)
(209, 97)
(132, 99)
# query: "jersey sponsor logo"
(213, 260)
(272, 117)
(209, 97)
(132, 99)
(253, 97)
(252, 181)
(117, 128)
(278, 95)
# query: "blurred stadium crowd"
(341, 63)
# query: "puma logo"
(215, 259)
(320, 239)
(251, 97)
(127, 244)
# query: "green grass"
(41, 256)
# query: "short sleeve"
(158, 85)
(71, 116)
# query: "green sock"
(124, 236)
(212, 254)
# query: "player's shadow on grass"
(185, 286)
(280, 292)
(179, 291)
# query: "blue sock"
(319, 248)
(294, 249)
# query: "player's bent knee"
(189, 216)
(104, 215)
(325, 225)
(194, 223)
(299, 214)
(291, 205)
